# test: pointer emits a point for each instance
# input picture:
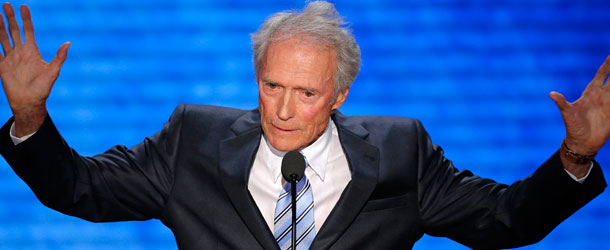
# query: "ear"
(340, 99)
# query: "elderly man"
(212, 174)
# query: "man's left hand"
(587, 120)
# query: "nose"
(285, 109)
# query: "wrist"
(580, 156)
(28, 120)
(579, 148)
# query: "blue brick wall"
(477, 73)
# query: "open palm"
(587, 120)
(27, 79)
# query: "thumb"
(60, 58)
(560, 100)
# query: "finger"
(60, 58)
(13, 27)
(560, 100)
(28, 27)
(4, 40)
(602, 73)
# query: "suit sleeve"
(483, 214)
(117, 185)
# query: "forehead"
(298, 60)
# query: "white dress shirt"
(328, 173)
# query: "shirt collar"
(316, 155)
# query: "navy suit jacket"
(193, 174)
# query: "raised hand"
(27, 79)
(587, 120)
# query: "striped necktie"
(305, 219)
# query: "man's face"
(295, 92)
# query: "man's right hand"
(27, 79)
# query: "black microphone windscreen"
(293, 166)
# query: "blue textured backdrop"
(477, 73)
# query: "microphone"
(293, 169)
(293, 166)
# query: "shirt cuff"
(16, 140)
(581, 180)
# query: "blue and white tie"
(305, 219)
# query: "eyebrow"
(314, 90)
(267, 80)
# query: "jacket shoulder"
(194, 118)
(381, 123)
(202, 114)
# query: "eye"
(272, 85)
(308, 94)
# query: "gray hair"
(319, 22)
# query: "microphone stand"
(293, 191)
(293, 169)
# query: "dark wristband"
(574, 157)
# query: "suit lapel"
(363, 159)
(236, 157)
